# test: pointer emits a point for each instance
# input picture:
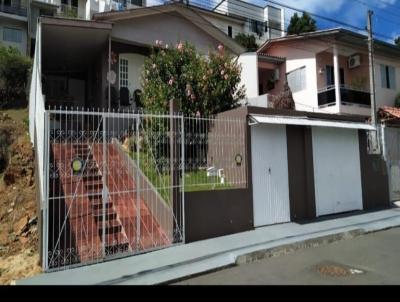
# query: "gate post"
(138, 214)
(104, 192)
(174, 171)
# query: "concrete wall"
(297, 56)
(210, 214)
(21, 25)
(170, 28)
(249, 75)
(222, 24)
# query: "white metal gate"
(113, 185)
(270, 174)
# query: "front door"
(270, 174)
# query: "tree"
(202, 86)
(301, 25)
(397, 41)
(14, 70)
(247, 41)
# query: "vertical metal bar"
(183, 177)
(46, 194)
(104, 193)
(137, 186)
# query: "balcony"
(349, 96)
(67, 11)
(14, 9)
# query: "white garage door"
(270, 174)
(337, 174)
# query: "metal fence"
(116, 181)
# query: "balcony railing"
(348, 95)
(68, 11)
(15, 9)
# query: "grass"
(194, 180)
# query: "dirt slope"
(18, 221)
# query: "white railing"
(342, 86)
(263, 100)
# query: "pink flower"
(226, 77)
(221, 47)
(180, 46)
(222, 72)
(198, 113)
(171, 81)
(193, 97)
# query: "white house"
(327, 71)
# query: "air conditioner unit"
(354, 61)
(276, 75)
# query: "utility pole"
(374, 147)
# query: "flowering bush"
(201, 86)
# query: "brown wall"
(210, 214)
(374, 177)
(301, 173)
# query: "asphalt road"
(365, 260)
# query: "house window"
(123, 72)
(230, 31)
(12, 35)
(256, 27)
(274, 22)
(297, 79)
(330, 76)
(388, 76)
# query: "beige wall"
(169, 28)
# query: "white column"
(336, 72)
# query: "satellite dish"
(111, 77)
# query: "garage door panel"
(270, 174)
(336, 170)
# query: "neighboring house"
(327, 71)
(13, 24)
(264, 22)
(390, 134)
(18, 19)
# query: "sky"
(386, 19)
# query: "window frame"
(13, 29)
(299, 69)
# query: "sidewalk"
(184, 260)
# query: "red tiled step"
(112, 226)
(97, 203)
(109, 215)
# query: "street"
(365, 260)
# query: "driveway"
(369, 259)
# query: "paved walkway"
(198, 257)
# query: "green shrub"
(247, 41)
(201, 86)
(14, 71)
